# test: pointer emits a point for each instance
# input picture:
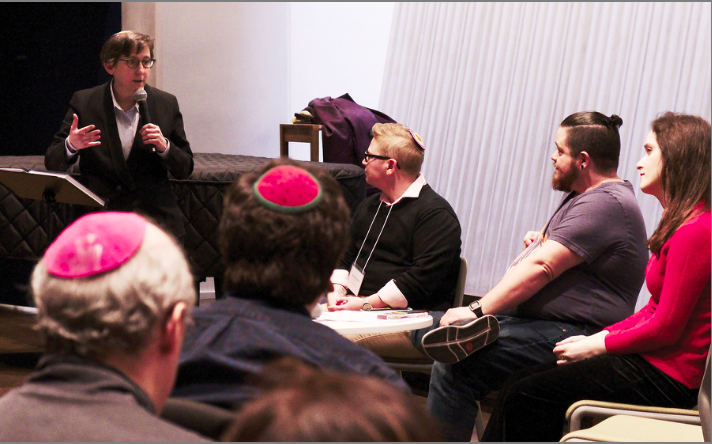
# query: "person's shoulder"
(90, 94)
(160, 429)
(431, 200)
(372, 200)
(618, 190)
(611, 196)
(226, 307)
(696, 229)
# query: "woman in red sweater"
(657, 355)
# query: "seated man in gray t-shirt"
(583, 271)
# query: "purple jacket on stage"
(346, 127)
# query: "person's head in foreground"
(676, 170)
(116, 289)
(302, 403)
(282, 231)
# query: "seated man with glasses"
(125, 155)
(404, 249)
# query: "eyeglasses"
(133, 62)
(368, 156)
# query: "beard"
(562, 181)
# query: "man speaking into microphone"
(127, 136)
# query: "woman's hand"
(578, 348)
(81, 138)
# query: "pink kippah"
(95, 243)
(288, 189)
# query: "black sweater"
(419, 248)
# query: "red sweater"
(672, 332)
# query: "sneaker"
(453, 343)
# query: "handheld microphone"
(140, 97)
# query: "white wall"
(241, 69)
(338, 48)
(228, 65)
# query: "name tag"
(355, 279)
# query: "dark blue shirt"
(235, 337)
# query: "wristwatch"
(476, 308)
(366, 306)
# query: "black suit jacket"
(139, 183)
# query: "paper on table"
(363, 316)
(347, 316)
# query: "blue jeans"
(532, 404)
(455, 389)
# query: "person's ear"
(173, 330)
(585, 159)
(392, 164)
(109, 67)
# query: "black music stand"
(50, 187)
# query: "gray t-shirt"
(605, 227)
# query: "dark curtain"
(47, 52)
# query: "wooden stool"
(299, 132)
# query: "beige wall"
(141, 17)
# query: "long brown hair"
(684, 142)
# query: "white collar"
(113, 98)
(413, 191)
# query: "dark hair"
(287, 257)
(124, 44)
(684, 142)
(596, 134)
(302, 403)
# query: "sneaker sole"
(455, 342)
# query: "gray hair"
(117, 310)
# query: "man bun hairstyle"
(598, 135)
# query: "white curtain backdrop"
(487, 84)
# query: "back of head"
(123, 44)
(684, 142)
(106, 282)
(399, 142)
(596, 134)
(302, 403)
(275, 253)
